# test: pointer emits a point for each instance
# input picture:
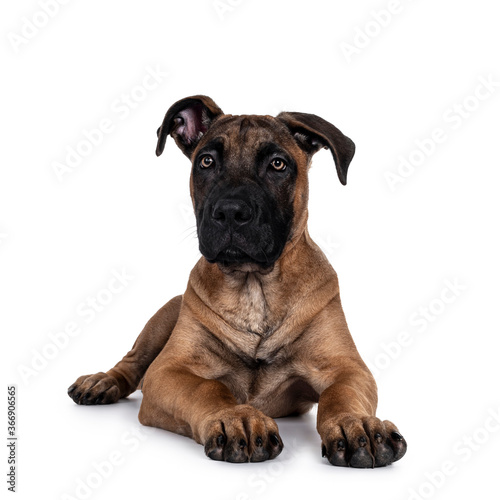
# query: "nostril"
(218, 215)
(232, 212)
(242, 216)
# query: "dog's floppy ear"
(186, 121)
(313, 133)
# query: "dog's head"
(249, 177)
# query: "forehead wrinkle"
(243, 135)
(244, 140)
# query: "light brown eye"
(206, 161)
(278, 164)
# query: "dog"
(259, 332)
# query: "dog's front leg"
(180, 394)
(351, 434)
(123, 379)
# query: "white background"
(124, 208)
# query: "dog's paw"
(242, 434)
(97, 389)
(354, 441)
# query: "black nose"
(232, 213)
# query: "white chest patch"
(251, 310)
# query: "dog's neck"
(259, 302)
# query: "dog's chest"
(247, 310)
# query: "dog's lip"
(234, 260)
(235, 255)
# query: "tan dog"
(260, 332)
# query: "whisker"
(193, 233)
(189, 228)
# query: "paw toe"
(362, 459)
(368, 442)
(99, 388)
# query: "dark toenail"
(274, 440)
(220, 440)
(397, 436)
(258, 441)
(72, 388)
(341, 445)
(242, 443)
(378, 437)
(362, 441)
(323, 451)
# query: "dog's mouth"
(234, 255)
(232, 258)
(231, 244)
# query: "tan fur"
(249, 346)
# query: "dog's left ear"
(186, 121)
(313, 133)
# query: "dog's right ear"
(186, 121)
